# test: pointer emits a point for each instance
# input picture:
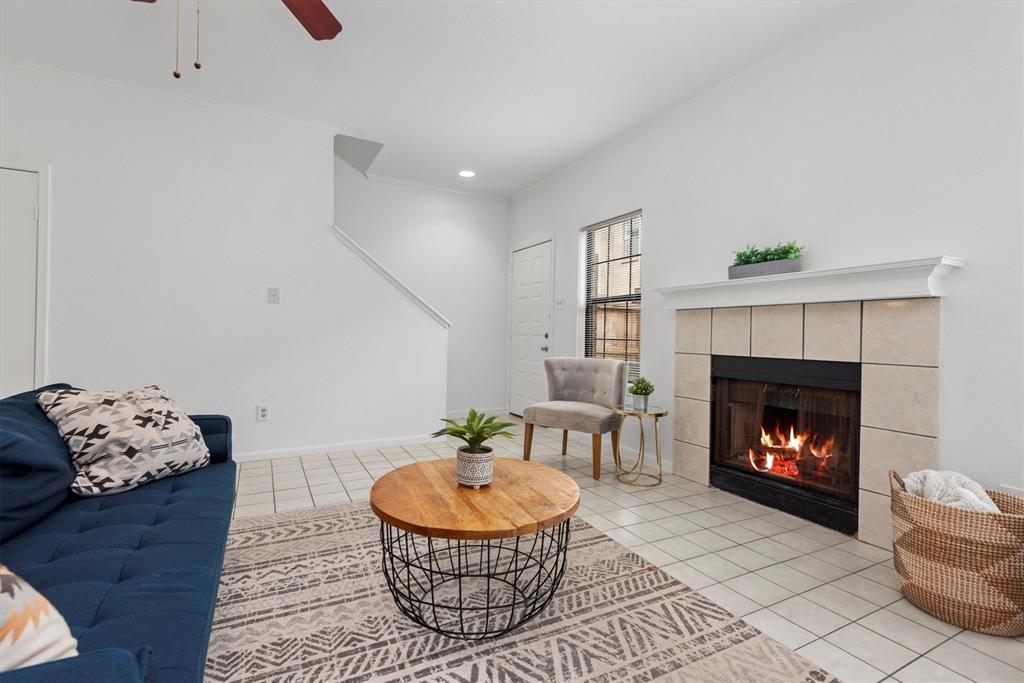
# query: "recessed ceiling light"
(467, 174)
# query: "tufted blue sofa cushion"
(136, 569)
(35, 468)
(110, 664)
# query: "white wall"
(451, 249)
(894, 135)
(170, 218)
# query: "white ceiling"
(514, 90)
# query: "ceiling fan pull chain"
(197, 64)
(177, 36)
(314, 15)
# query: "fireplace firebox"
(785, 433)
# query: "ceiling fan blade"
(315, 17)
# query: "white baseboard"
(459, 414)
(335, 447)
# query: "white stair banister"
(390, 277)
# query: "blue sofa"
(135, 574)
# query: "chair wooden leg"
(596, 440)
(615, 447)
(565, 441)
(527, 441)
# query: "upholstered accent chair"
(582, 393)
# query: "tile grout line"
(723, 583)
(924, 655)
(879, 608)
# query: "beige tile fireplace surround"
(897, 344)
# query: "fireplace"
(785, 433)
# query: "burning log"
(787, 456)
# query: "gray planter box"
(789, 265)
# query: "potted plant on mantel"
(641, 389)
(474, 462)
(753, 262)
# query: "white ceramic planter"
(640, 401)
(474, 469)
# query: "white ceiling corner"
(514, 90)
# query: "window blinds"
(612, 314)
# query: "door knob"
(544, 348)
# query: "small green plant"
(641, 386)
(789, 250)
(477, 429)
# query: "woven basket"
(963, 567)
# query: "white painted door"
(530, 326)
(19, 233)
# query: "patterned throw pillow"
(31, 630)
(121, 440)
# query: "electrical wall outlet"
(263, 413)
(273, 295)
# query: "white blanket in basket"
(950, 488)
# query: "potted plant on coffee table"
(474, 462)
(641, 389)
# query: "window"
(612, 308)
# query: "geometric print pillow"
(121, 440)
(31, 630)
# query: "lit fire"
(779, 453)
(824, 450)
(794, 443)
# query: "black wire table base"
(473, 590)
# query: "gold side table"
(633, 475)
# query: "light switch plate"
(273, 295)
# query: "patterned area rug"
(302, 599)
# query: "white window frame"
(581, 309)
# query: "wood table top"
(524, 498)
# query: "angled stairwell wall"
(167, 230)
(451, 248)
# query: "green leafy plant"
(789, 250)
(641, 386)
(477, 429)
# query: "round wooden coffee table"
(474, 563)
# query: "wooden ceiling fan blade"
(315, 17)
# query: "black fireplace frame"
(816, 507)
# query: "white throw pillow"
(31, 630)
(121, 440)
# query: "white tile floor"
(830, 597)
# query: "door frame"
(44, 174)
(508, 312)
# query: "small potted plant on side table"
(474, 462)
(641, 389)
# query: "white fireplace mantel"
(897, 280)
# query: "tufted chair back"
(587, 380)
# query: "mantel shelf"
(896, 280)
